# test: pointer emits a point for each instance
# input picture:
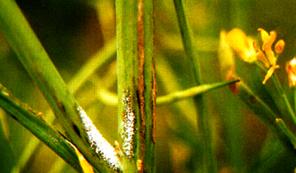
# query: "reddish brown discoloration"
(141, 81)
(234, 88)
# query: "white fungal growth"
(129, 129)
(97, 142)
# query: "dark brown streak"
(141, 79)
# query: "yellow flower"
(291, 70)
(247, 49)
(266, 55)
(242, 45)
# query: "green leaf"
(80, 129)
(31, 120)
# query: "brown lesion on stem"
(141, 81)
(146, 83)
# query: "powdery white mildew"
(97, 142)
(129, 129)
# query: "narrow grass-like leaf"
(7, 158)
(282, 125)
(74, 120)
(208, 157)
(110, 98)
(30, 120)
(191, 92)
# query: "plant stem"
(191, 92)
(283, 95)
(149, 82)
(208, 156)
(136, 86)
(282, 125)
(34, 58)
(127, 60)
(30, 120)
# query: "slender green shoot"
(111, 99)
(208, 157)
(282, 125)
(283, 95)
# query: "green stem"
(31, 120)
(191, 92)
(149, 84)
(283, 95)
(208, 156)
(127, 72)
(283, 127)
(34, 58)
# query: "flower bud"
(279, 46)
(291, 71)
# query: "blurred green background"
(73, 30)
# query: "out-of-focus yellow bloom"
(227, 62)
(242, 45)
(248, 50)
(291, 70)
(279, 46)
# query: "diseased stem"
(127, 75)
(136, 83)
(208, 157)
(149, 86)
(74, 120)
